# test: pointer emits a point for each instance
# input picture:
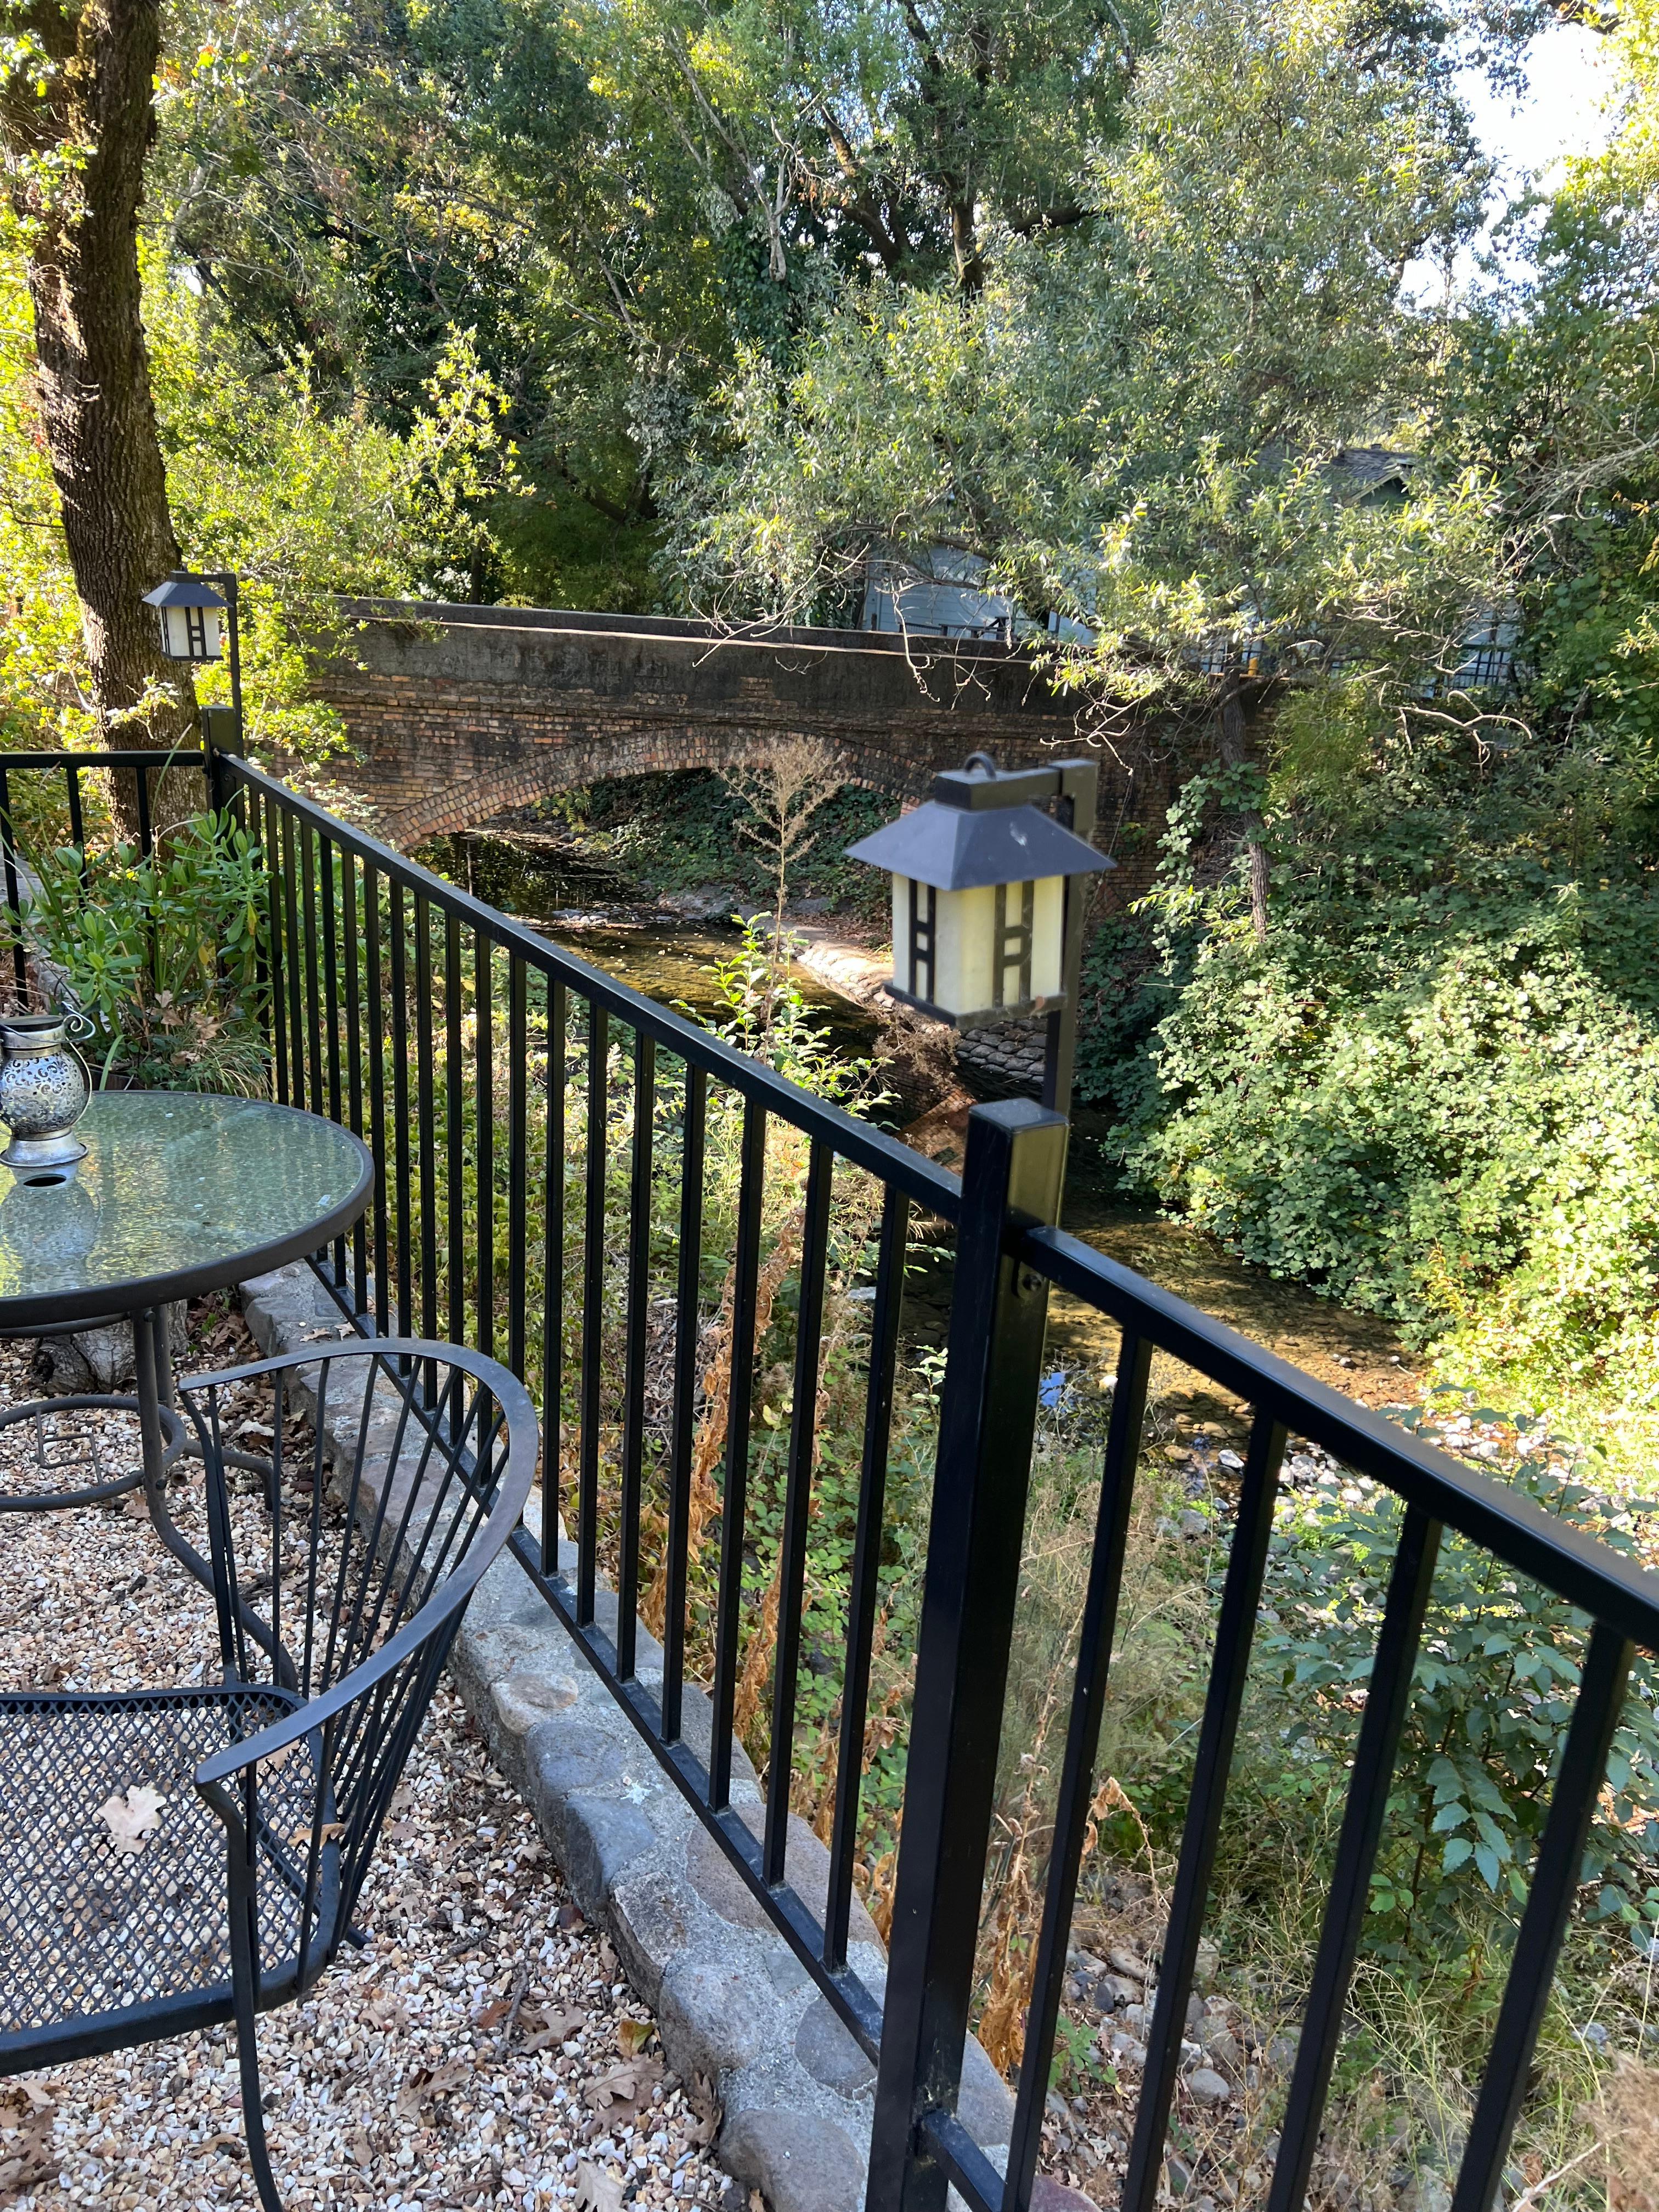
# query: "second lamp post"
(987, 903)
(197, 617)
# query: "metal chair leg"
(244, 1972)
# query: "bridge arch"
(457, 712)
(536, 772)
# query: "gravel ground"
(483, 2049)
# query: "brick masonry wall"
(458, 713)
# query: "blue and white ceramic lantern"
(43, 1094)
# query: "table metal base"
(52, 1453)
(161, 1432)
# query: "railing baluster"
(313, 973)
(296, 1027)
(865, 1588)
(13, 896)
(484, 1076)
(146, 836)
(424, 1066)
(639, 1291)
(1240, 1596)
(518, 1055)
(1094, 1659)
(1387, 1698)
(588, 1502)
(693, 1146)
(1556, 1876)
(455, 1126)
(739, 1403)
(797, 1506)
(331, 1007)
(354, 1009)
(405, 1277)
(383, 1320)
(271, 852)
(78, 826)
(553, 1279)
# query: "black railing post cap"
(1016, 1115)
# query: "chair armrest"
(448, 1601)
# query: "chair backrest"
(386, 1476)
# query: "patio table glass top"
(181, 1192)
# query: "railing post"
(221, 734)
(988, 1416)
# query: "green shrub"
(1493, 1692)
(164, 954)
(1433, 1092)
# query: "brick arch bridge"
(458, 712)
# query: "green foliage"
(1493, 1692)
(164, 954)
(1132, 423)
(680, 831)
(768, 1017)
(302, 501)
(1434, 1093)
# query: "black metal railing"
(536, 1228)
(559, 1159)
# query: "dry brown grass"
(704, 1500)
(1628, 2117)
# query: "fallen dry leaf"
(701, 2097)
(555, 2028)
(131, 1818)
(360, 2149)
(493, 2013)
(35, 2160)
(435, 2085)
(633, 2035)
(596, 2191)
(627, 2088)
(301, 1838)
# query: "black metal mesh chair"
(132, 1906)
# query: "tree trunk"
(77, 143)
(1232, 754)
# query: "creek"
(587, 906)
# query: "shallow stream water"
(591, 910)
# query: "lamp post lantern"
(988, 905)
(197, 622)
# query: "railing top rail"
(1505, 1521)
(922, 1179)
(449, 614)
(151, 757)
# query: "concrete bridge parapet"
(457, 712)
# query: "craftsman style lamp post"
(987, 908)
(195, 620)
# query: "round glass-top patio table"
(180, 1193)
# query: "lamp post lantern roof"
(956, 849)
(182, 589)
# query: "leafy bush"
(1434, 1092)
(768, 1017)
(164, 954)
(1493, 1692)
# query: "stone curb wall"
(733, 2002)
